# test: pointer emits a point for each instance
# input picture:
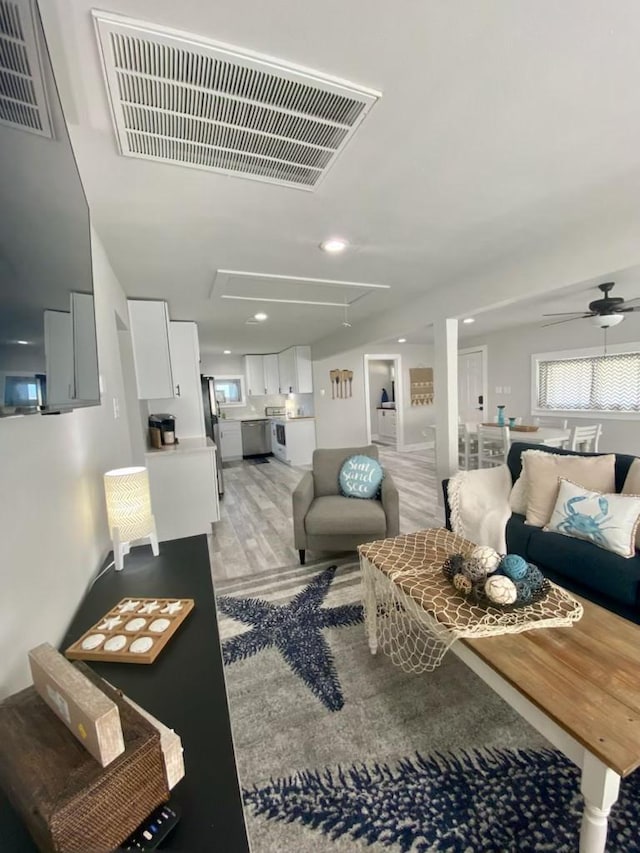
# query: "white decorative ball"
(500, 589)
(489, 559)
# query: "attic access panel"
(182, 99)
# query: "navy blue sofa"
(601, 576)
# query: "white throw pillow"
(544, 470)
(632, 487)
(518, 497)
(609, 521)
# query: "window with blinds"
(604, 383)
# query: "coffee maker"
(162, 430)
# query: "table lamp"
(129, 511)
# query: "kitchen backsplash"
(293, 403)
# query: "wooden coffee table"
(579, 686)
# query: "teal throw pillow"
(360, 477)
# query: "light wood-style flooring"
(255, 532)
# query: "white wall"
(509, 364)
(342, 422)
(52, 520)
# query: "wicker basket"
(70, 803)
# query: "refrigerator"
(212, 423)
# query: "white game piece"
(172, 607)
(141, 645)
(135, 624)
(149, 607)
(92, 641)
(129, 606)
(114, 644)
(159, 625)
(110, 623)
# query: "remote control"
(153, 831)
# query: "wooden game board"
(143, 613)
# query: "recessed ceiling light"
(469, 320)
(24, 343)
(334, 245)
(260, 316)
(402, 340)
(226, 352)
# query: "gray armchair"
(325, 520)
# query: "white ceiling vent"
(23, 101)
(182, 99)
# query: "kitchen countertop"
(184, 445)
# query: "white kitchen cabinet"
(271, 374)
(294, 365)
(254, 373)
(183, 487)
(149, 327)
(230, 439)
(387, 425)
(186, 401)
(58, 350)
(85, 347)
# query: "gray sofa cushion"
(335, 515)
(327, 465)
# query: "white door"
(471, 391)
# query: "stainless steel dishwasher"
(256, 438)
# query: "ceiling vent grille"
(23, 102)
(180, 99)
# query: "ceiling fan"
(604, 313)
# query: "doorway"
(472, 384)
(383, 400)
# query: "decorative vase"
(501, 416)
(512, 423)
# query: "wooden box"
(68, 802)
(85, 710)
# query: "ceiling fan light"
(606, 321)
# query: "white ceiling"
(503, 127)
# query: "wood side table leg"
(600, 787)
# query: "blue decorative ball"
(514, 567)
(525, 591)
(535, 578)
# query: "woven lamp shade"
(129, 502)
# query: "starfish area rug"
(339, 750)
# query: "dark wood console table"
(184, 689)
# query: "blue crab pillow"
(360, 477)
(609, 521)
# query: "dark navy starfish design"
(295, 629)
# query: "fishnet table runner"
(414, 614)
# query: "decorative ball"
(489, 558)
(500, 589)
(514, 566)
(534, 577)
(474, 569)
(524, 590)
(452, 565)
(462, 584)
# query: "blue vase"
(500, 415)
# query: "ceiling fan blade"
(567, 314)
(627, 310)
(568, 320)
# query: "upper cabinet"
(254, 373)
(186, 403)
(271, 374)
(262, 374)
(294, 366)
(149, 327)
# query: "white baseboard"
(375, 437)
(420, 445)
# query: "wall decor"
(421, 386)
(133, 631)
(341, 383)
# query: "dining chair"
(493, 445)
(560, 423)
(585, 439)
(467, 446)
